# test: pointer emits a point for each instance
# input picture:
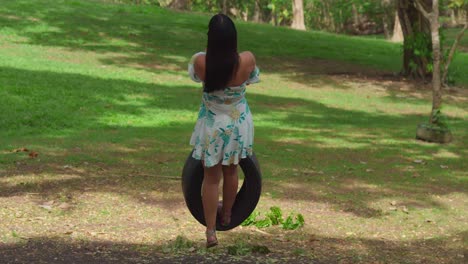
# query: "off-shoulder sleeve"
(191, 69)
(254, 76)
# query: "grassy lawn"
(100, 93)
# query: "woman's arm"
(196, 67)
(199, 66)
(251, 67)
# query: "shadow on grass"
(43, 102)
(98, 127)
(155, 39)
(142, 36)
(316, 250)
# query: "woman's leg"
(210, 196)
(230, 185)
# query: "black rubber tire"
(246, 199)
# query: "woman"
(224, 131)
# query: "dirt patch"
(307, 70)
(316, 67)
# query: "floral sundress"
(224, 130)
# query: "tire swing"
(246, 199)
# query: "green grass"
(100, 92)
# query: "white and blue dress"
(224, 130)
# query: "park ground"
(96, 111)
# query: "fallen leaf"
(64, 206)
(444, 166)
(369, 170)
(418, 161)
(47, 207)
(392, 208)
(313, 238)
(21, 150)
(405, 209)
(393, 203)
(33, 154)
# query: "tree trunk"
(385, 28)
(436, 83)
(298, 15)
(328, 17)
(414, 25)
(437, 131)
(355, 16)
(233, 11)
(462, 15)
(225, 7)
(179, 4)
(257, 13)
(453, 18)
(245, 14)
(275, 18)
(433, 18)
(397, 31)
(388, 17)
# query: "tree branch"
(419, 5)
(452, 52)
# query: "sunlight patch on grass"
(444, 153)
(120, 148)
(323, 138)
(329, 142)
(61, 60)
(362, 185)
(292, 140)
(175, 58)
(149, 117)
(42, 28)
(34, 179)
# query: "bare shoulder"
(199, 66)
(248, 59)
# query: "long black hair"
(222, 58)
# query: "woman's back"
(244, 70)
